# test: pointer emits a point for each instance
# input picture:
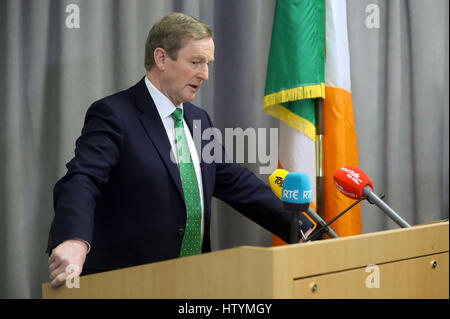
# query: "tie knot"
(177, 115)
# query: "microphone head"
(276, 181)
(296, 191)
(350, 181)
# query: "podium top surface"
(259, 272)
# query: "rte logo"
(287, 194)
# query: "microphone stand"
(374, 199)
(322, 223)
(320, 232)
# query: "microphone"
(296, 191)
(276, 181)
(276, 185)
(353, 183)
(296, 196)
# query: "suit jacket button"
(180, 232)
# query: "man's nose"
(204, 73)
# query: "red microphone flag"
(350, 181)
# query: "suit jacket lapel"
(155, 130)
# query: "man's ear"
(160, 57)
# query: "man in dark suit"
(137, 190)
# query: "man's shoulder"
(119, 98)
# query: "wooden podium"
(400, 263)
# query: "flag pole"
(320, 188)
(320, 184)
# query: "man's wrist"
(88, 246)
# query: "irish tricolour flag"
(309, 59)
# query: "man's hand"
(71, 252)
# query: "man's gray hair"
(171, 33)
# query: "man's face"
(183, 77)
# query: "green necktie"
(192, 242)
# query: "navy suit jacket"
(123, 194)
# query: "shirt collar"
(164, 106)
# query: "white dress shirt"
(165, 109)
